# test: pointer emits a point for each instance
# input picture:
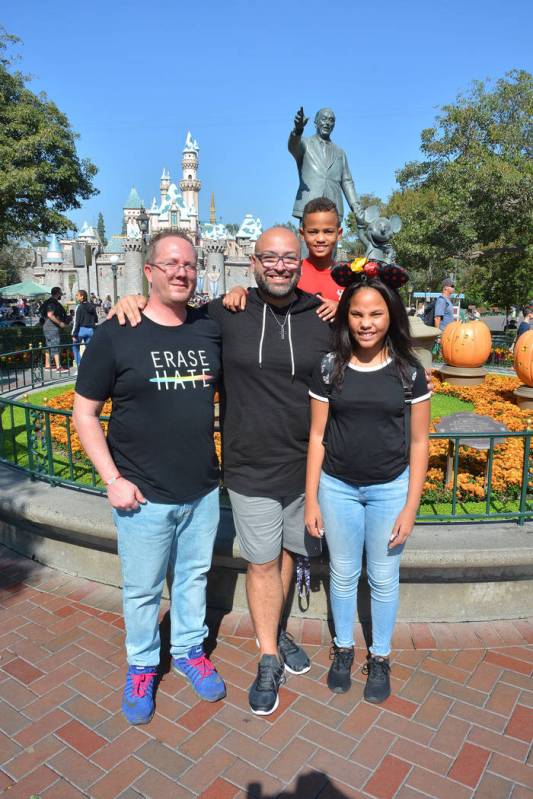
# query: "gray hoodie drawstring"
(289, 330)
(290, 346)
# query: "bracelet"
(113, 480)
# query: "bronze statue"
(322, 166)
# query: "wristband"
(113, 480)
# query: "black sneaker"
(377, 687)
(263, 694)
(295, 659)
(339, 675)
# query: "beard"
(273, 290)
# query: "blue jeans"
(84, 336)
(150, 540)
(357, 517)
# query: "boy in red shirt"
(321, 231)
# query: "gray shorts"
(52, 337)
(265, 525)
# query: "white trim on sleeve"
(315, 396)
(421, 399)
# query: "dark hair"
(83, 294)
(56, 290)
(320, 205)
(397, 340)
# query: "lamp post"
(114, 266)
(143, 220)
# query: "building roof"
(191, 145)
(250, 228)
(133, 201)
(54, 253)
(213, 232)
(88, 232)
(115, 244)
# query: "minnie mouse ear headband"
(360, 270)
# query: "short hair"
(167, 234)
(448, 284)
(56, 290)
(320, 205)
(83, 294)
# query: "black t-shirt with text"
(162, 381)
(365, 434)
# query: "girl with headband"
(367, 460)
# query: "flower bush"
(494, 398)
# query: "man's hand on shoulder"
(129, 308)
(236, 299)
(327, 310)
(124, 495)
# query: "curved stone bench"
(454, 572)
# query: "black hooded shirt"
(268, 355)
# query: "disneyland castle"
(84, 262)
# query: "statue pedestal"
(524, 397)
(423, 337)
(462, 375)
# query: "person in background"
(444, 306)
(85, 320)
(54, 319)
(526, 323)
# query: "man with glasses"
(269, 351)
(160, 468)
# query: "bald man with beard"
(268, 354)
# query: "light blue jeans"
(357, 518)
(150, 540)
(84, 336)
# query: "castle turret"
(164, 183)
(190, 185)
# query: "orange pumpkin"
(523, 357)
(466, 344)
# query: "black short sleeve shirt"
(162, 381)
(365, 436)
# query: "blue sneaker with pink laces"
(138, 697)
(206, 682)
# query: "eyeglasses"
(169, 267)
(271, 259)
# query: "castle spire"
(212, 212)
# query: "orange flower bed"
(58, 428)
(494, 398)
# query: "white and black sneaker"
(294, 657)
(263, 694)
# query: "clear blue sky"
(132, 77)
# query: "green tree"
(41, 175)
(466, 208)
(100, 227)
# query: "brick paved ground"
(459, 724)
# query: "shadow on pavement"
(315, 785)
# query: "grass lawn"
(55, 462)
(443, 405)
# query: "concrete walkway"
(459, 723)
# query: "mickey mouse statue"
(377, 233)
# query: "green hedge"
(20, 338)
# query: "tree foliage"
(41, 175)
(100, 227)
(467, 207)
